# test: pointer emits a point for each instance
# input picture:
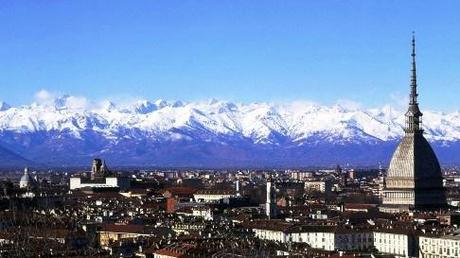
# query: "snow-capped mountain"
(69, 130)
(4, 106)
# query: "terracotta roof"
(180, 191)
(176, 250)
(275, 225)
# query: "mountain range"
(69, 131)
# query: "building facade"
(401, 243)
(439, 247)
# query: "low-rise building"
(100, 177)
(213, 195)
(203, 212)
(78, 182)
(110, 233)
(388, 241)
(324, 237)
(439, 246)
(320, 186)
(397, 242)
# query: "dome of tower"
(414, 159)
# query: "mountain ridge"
(68, 130)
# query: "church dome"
(26, 179)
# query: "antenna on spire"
(413, 85)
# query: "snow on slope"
(262, 123)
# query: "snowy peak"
(213, 133)
(145, 106)
(4, 106)
(142, 107)
(260, 123)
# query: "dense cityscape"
(410, 209)
(218, 205)
(215, 213)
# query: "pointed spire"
(413, 114)
(413, 85)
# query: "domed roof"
(26, 179)
(414, 158)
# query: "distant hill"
(9, 159)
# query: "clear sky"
(243, 51)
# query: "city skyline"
(252, 129)
(324, 52)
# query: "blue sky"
(277, 51)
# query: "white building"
(301, 176)
(100, 177)
(439, 247)
(78, 182)
(212, 196)
(400, 243)
(327, 238)
(203, 212)
(272, 235)
(320, 237)
(396, 242)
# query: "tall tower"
(414, 178)
(270, 205)
(96, 168)
(237, 187)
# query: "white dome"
(26, 179)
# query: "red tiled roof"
(176, 251)
(179, 190)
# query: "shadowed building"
(414, 179)
(99, 169)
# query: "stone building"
(414, 179)
(439, 246)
